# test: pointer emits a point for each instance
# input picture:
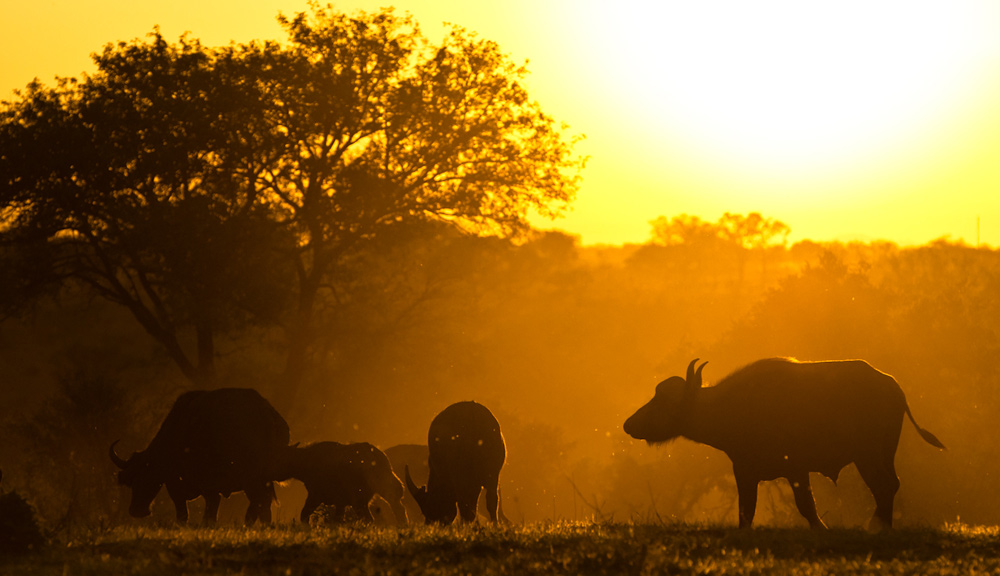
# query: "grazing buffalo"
(414, 457)
(783, 418)
(211, 444)
(465, 454)
(341, 476)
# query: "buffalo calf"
(344, 475)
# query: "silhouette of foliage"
(19, 529)
(125, 182)
(208, 189)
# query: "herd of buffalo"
(774, 418)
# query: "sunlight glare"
(792, 87)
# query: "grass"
(564, 548)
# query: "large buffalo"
(783, 418)
(211, 444)
(465, 452)
(341, 476)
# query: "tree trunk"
(300, 339)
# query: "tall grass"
(556, 548)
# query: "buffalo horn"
(690, 373)
(697, 374)
(410, 485)
(114, 457)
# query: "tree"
(753, 231)
(685, 230)
(133, 181)
(382, 128)
(733, 237)
(145, 179)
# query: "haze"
(736, 156)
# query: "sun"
(786, 89)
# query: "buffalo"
(465, 452)
(342, 476)
(211, 444)
(779, 417)
(414, 457)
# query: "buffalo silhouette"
(465, 452)
(779, 417)
(342, 476)
(211, 444)
(414, 457)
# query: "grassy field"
(572, 548)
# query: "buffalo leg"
(260, 504)
(746, 486)
(253, 512)
(312, 503)
(493, 500)
(181, 507)
(212, 502)
(180, 502)
(804, 500)
(467, 510)
(880, 476)
(362, 510)
(267, 497)
(264, 515)
(503, 518)
(468, 502)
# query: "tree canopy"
(206, 189)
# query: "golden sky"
(844, 119)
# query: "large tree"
(137, 182)
(206, 187)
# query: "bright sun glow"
(842, 118)
(789, 87)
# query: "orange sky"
(846, 120)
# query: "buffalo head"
(662, 418)
(139, 474)
(435, 506)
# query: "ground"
(561, 548)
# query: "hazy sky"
(844, 119)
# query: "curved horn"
(115, 457)
(697, 376)
(412, 487)
(690, 373)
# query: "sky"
(846, 120)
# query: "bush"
(19, 530)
